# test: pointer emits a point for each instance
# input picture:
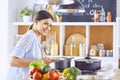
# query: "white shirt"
(28, 47)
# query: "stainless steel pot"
(62, 63)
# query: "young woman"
(28, 48)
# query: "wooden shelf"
(102, 34)
(66, 29)
(70, 23)
(22, 23)
(95, 32)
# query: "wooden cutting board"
(78, 39)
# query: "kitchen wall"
(9, 15)
(14, 8)
(11, 29)
(3, 39)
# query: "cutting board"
(78, 39)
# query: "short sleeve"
(23, 46)
(18, 52)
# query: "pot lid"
(61, 58)
(64, 58)
(86, 60)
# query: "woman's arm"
(48, 60)
(19, 62)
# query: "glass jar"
(71, 50)
(82, 50)
(75, 50)
(67, 50)
(102, 53)
(93, 50)
(109, 53)
(100, 46)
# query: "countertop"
(116, 76)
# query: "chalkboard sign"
(90, 6)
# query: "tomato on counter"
(35, 73)
(54, 75)
(46, 73)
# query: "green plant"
(26, 12)
(59, 14)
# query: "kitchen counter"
(117, 75)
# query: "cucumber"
(46, 69)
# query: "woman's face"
(43, 27)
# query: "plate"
(76, 38)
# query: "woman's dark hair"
(40, 15)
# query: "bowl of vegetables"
(41, 71)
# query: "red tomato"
(33, 70)
(37, 75)
(58, 73)
(31, 73)
(40, 71)
(52, 75)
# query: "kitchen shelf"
(88, 27)
(78, 57)
(71, 23)
(22, 23)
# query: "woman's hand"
(48, 60)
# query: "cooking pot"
(62, 63)
(88, 64)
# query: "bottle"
(72, 45)
(58, 17)
(82, 50)
(109, 17)
(54, 49)
(74, 48)
(96, 16)
(71, 49)
(102, 15)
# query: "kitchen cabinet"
(94, 32)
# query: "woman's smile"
(45, 31)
